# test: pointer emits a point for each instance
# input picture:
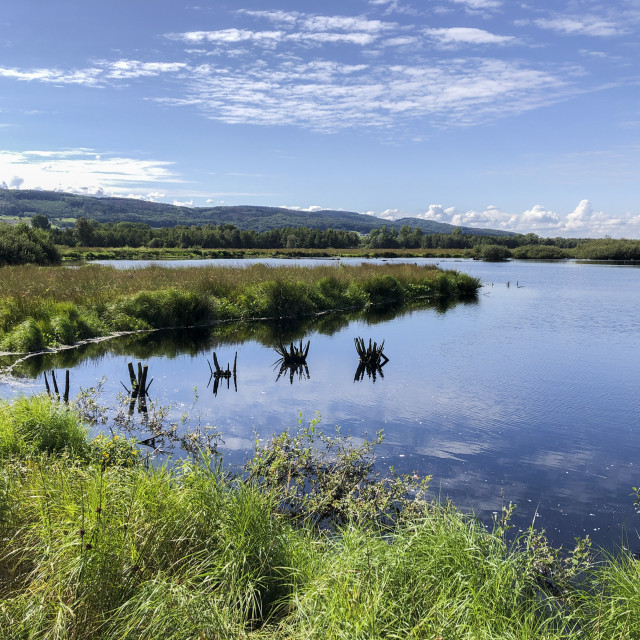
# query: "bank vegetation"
(307, 541)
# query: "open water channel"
(528, 395)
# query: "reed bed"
(98, 546)
(42, 307)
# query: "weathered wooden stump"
(65, 395)
(294, 360)
(372, 359)
(295, 354)
(139, 388)
(222, 374)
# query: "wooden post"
(55, 383)
(65, 398)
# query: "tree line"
(89, 233)
(37, 243)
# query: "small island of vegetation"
(49, 306)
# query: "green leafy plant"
(327, 480)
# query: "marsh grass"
(41, 307)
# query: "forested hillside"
(63, 209)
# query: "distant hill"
(64, 208)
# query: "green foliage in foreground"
(120, 551)
(42, 307)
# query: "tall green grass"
(90, 550)
(41, 307)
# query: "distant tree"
(40, 221)
(84, 232)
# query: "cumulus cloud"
(583, 221)
(438, 213)
(581, 216)
(186, 203)
(309, 209)
(538, 218)
(16, 182)
(391, 214)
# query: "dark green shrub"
(286, 299)
(331, 292)
(159, 309)
(22, 244)
(494, 253)
(384, 290)
(26, 337)
(466, 285)
(539, 252)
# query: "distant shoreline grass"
(42, 307)
(90, 254)
(97, 546)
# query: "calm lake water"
(528, 395)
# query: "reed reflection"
(293, 360)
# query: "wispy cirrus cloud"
(479, 4)
(329, 96)
(100, 74)
(87, 77)
(582, 25)
(454, 36)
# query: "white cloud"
(228, 36)
(309, 209)
(467, 35)
(581, 216)
(122, 69)
(583, 221)
(585, 25)
(83, 171)
(344, 23)
(401, 41)
(16, 182)
(186, 203)
(391, 214)
(87, 77)
(99, 75)
(438, 213)
(539, 219)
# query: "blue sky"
(489, 113)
